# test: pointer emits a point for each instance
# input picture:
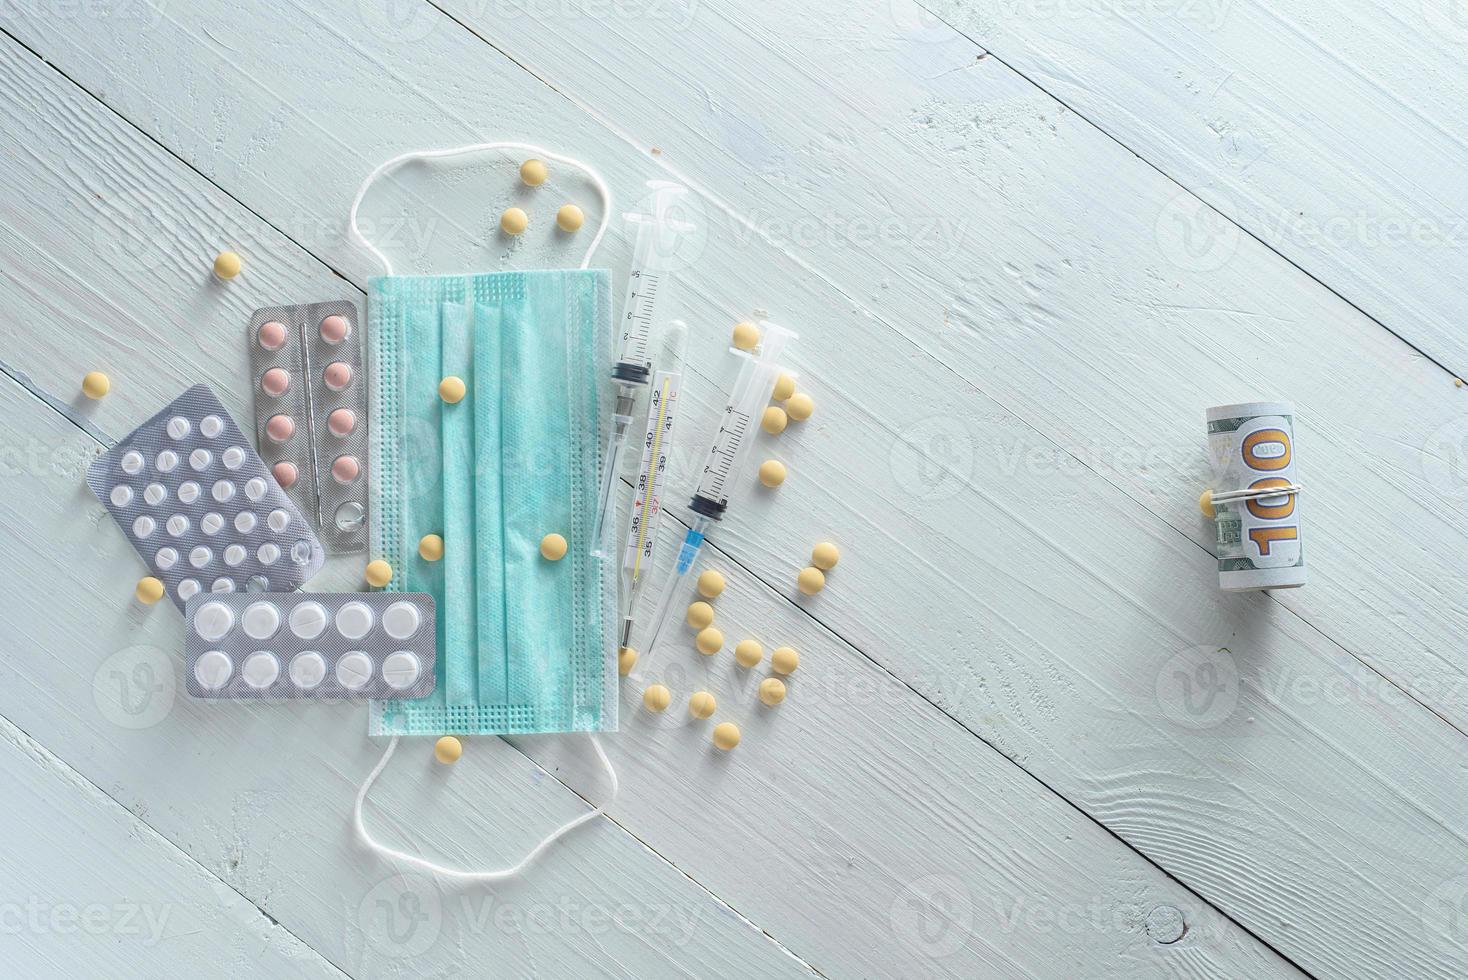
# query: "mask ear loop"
(592, 175)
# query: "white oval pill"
(212, 523)
(400, 620)
(144, 526)
(278, 520)
(308, 620)
(200, 556)
(213, 621)
(132, 462)
(122, 495)
(167, 461)
(401, 670)
(211, 426)
(260, 620)
(188, 492)
(255, 488)
(354, 620)
(354, 670)
(200, 458)
(165, 559)
(212, 670)
(188, 588)
(177, 525)
(269, 553)
(222, 584)
(260, 669)
(234, 458)
(234, 554)
(223, 490)
(178, 427)
(154, 493)
(244, 521)
(308, 669)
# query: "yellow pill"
(709, 641)
(379, 573)
(800, 406)
(824, 556)
(746, 335)
(700, 614)
(514, 221)
(533, 172)
(726, 735)
(149, 590)
(569, 217)
(430, 547)
(447, 750)
(774, 420)
(1205, 504)
(772, 691)
(784, 660)
(747, 653)
(710, 584)
(811, 580)
(772, 472)
(784, 387)
(95, 384)
(626, 660)
(702, 705)
(452, 390)
(657, 698)
(227, 265)
(553, 547)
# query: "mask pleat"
(490, 542)
(461, 637)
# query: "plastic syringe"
(654, 248)
(726, 457)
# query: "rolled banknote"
(1259, 540)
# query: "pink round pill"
(334, 329)
(338, 375)
(346, 469)
(272, 335)
(275, 382)
(280, 427)
(285, 474)
(341, 422)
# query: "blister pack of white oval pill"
(200, 506)
(334, 645)
(311, 413)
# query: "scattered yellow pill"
(149, 590)
(772, 472)
(533, 172)
(726, 735)
(700, 614)
(824, 556)
(710, 584)
(709, 641)
(447, 750)
(784, 387)
(227, 265)
(784, 660)
(657, 698)
(95, 384)
(452, 390)
(553, 547)
(626, 660)
(569, 217)
(800, 406)
(811, 580)
(514, 221)
(747, 653)
(379, 573)
(430, 547)
(702, 705)
(1205, 504)
(774, 420)
(772, 691)
(746, 335)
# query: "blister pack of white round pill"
(334, 645)
(200, 506)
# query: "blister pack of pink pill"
(311, 413)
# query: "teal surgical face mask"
(525, 644)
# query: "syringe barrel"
(656, 236)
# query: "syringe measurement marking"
(731, 433)
(642, 303)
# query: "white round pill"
(165, 559)
(354, 620)
(234, 554)
(212, 670)
(212, 523)
(222, 584)
(200, 458)
(260, 620)
(223, 490)
(244, 521)
(200, 556)
(132, 462)
(234, 458)
(260, 669)
(354, 670)
(188, 588)
(278, 520)
(213, 621)
(177, 525)
(308, 620)
(400, 620)
(167, 461)
(154, 493)
(122, 495)
(255, 488)
(188, 491)
(211, 426)
(144, 526)
(308, 669)
(178, 427)
(269, 553)
(401, 670)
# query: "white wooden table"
(1026, 243)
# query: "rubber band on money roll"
(1209, 499)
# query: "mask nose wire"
(384, 167)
